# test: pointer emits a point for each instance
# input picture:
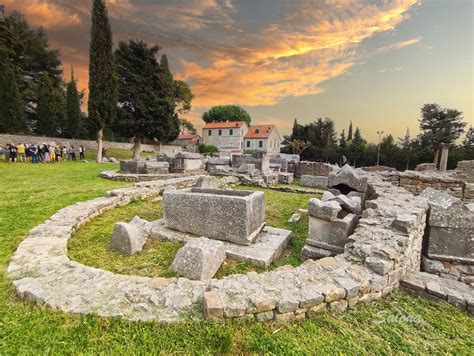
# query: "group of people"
(40, 153)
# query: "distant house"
(262, 138)
(227, 136)
(188, 140)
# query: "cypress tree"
(12, 115)
(73, 109)
(103, 90)
(169, 129)
(349, 133)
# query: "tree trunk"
(100, 137)
(137, 143)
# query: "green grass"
(90, 244)
(30, 194)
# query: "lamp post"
(380, 133)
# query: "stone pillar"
(444, 157)
(436, 158)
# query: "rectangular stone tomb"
(230, 215)
(268, 246)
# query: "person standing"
(46, 153)
(21, 150)
(72, 152)
(52, 154)
(1, 151)
(81, 152)
(13, 153)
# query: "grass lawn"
(31, 193)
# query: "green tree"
(356, 147)
(226, 113)
(12, 114)
(32, 59)
(469, 138)
(146, 95)
(183, 96)
(73, 109)
(187, 125)
(349, 133)
(103, 86)
(439, 125)
(51, 110)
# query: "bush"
(203, 148)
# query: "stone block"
(349, 178)
(432, 266)
(317, 309)
(247, 168)
(323, 210)
(265, 316)
(189, 161)
(130, 166)
(285, 178)
(314, 181)
(129, 238)
(331, 235)
(230, 215)
(157, 167)
(327, 195)
(351, 205)
(199, 259)
(206, 182)
(315, 253)
(212, 305)
(338, 306)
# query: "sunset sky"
(375, 62)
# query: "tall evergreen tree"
(356, 147)
(12, 114)
(103, 90)
(146, 95)
(73, 108)
(51, 110)
(349, 133)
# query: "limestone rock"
(347, 176)
(323, 210)
(127, 239)
(199, 259)
(314, 181)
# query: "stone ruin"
(334, 218)
(379, 236)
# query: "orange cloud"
(44, 13)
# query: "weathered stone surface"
(347, 176)
(188, 162)
(285, 177)
(352, 205)
(207, 182)
(210, 213)
(265, 316)
(314, 181)
(323, 210)
(267, 247)
(315, 253)
(247, 168)
(213, 309)
(129, 238)
(331, 235)
(295, 218)
(132, 166)
(451, 226)
(338, 306)
(199, 259)
(156, 167)
(432, 266)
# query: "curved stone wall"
(385, 247)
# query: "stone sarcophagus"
(230, 215)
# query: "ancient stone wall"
(88, 144)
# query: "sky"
(372, 62)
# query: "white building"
(227, 136)
(262, 138)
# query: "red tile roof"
(224, 125)
(259, 131)
(187, 136)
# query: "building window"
(248, 143)
(220, 132)
(209, 132)
(260, 144)
(231, 132)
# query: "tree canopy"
(226, 113)
(146, 94)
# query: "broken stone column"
(129, 238)
(347, 179)
(443, 164)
